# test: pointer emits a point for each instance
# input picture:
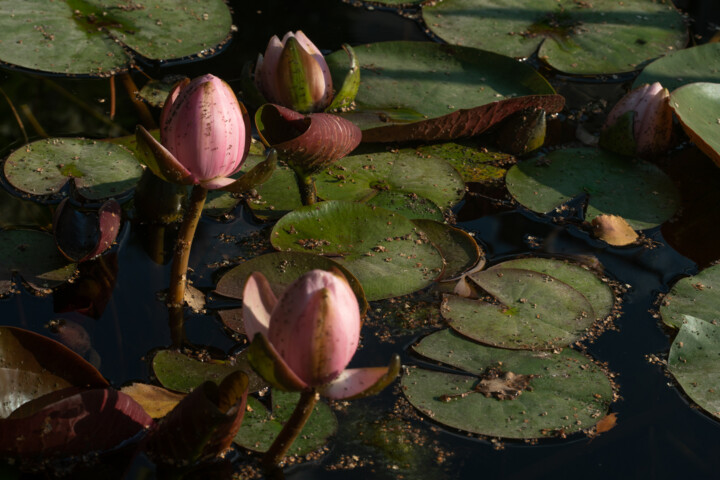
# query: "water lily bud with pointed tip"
(640, 123)
(308, 337)
(294, 73)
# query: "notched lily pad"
(99, 170)
(460, 251)
(507, 393)
(696, 296)
(700, 63)
(697, 106)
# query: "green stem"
(306, 184)
(293, 427)
(178, 271)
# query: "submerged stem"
(178, 272)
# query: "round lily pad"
(693, 361)
(473, 164)
(99, 169)
(276, 197)
(507, 393)
(260, 426)
(597, 292)
(697, 106)
(696, 296)
(700, 63)
(459, 250)
(411, 81)
(35, 257)
(384, 250)
(91, 37)
(635, 190)
(602, 36)
(360, 177)
(536, 311)
(408, 205)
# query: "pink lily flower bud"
(293, 73)
(640, 123)
(308, 337)
(204, 135)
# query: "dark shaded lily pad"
(635, 190)
(32, 365)
(602, 36)
(565, 393)
(260, 426)
(693, 361)
(91, 37)
(536, 311)
(182, 373)
(17, 212)
(696, 296)
(383, 249)
(459, 250)
(700, 63)
(99, 170)
(33, 255)
(697, 106)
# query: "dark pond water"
(658, 435)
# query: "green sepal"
(345, 97)
(151, 153)
(266, 362)
(258, 175)
(292, 71)
(620, 136)
(523, 132)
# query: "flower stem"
(293, 427)
(306, 184)
(178, 272)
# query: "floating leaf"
(561, 393)
(183, 373)
(700, 63)
(696, 296)
(602, 36)
(693, 362)
(82, 235)
(408, 205)
(34, 256)
(697, 106)
(16, 212)
(613, 230)
(260, 426)
(637, 191)
(156, 401)
(91, 37)
(99, 170)
(459, 250)
(384, 250)
(32, 365)
(473, 164)
(537, 311)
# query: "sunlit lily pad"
(693, 361)
(535, 395)
(98, 169)
(472, 163)
(602, 36)
(91, 37)
(182, 373)
(35, 257)
(696, 296)
(536, 311)
(700, 63)
(635, 190)
(260, 427)
(459, 250)
(384, 250)
(697, 106)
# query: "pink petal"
(258, 302)
(268, 76)
(359, 382)
(217, 183)
(321, 85)
(172, 96)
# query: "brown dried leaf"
(608, 422)
(156, 401)
(614, 230)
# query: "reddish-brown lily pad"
(82, 235)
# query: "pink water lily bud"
(294, 73)
(204, 135)
(640, 123)
(308, 337)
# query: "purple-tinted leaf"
(81, 235)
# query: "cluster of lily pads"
(363, 155)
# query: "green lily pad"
(693, 361)
(182, 373)
(535, 395)
(383, 249)
(595, 290)
(99, 170)
(459, 250)
(17, 212)
(696, 296)
(473, 164)
(33, 255)
(689, 65)
(408, 205)
(403, 82)
(359, 177)
(697, 106)
(635, 190)
(589, 38)
(537, 311)
(260, 427)
(90, 36)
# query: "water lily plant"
(304, 342)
